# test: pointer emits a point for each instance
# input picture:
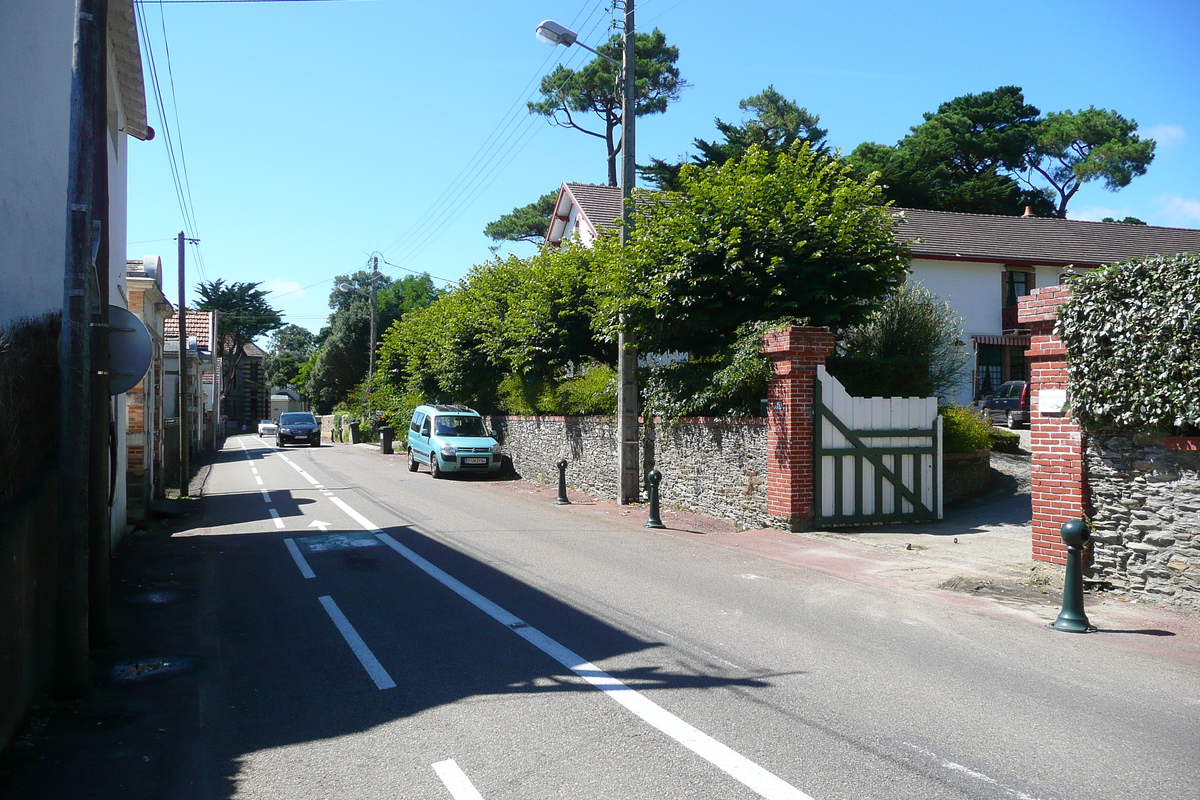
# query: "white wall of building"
(35, 64)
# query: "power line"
(490, 159)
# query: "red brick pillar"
(1057, 468)
(795, 354)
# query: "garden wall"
(715, 467)
(1146, 511)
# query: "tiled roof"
(1039, 240)
(199, 324)
(601, 205)
(254, 351)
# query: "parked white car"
(267, 428)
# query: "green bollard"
(653, 478)
(562, 499)
(1072, 619)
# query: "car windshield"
(459, 425)
(297, 418)
(266, 422)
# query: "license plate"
(474, 460)
(301, 436)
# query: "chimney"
(1028, 212)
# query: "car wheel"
(412, 462)
(315, 443)
(434, 467)
(279, 443)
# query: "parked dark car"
(1010, 404)
(298, 427)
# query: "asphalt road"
(368, 632)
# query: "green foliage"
(289, 350)
(731, 384)
(592, 391)
(525, 224)
(777, 124)
(1076, 147)
(342, 358)
(244, 315)
(912, 337)
(992, 153)
(960, 157)
(963, 430)
(756, 238)
(1004, 441)
(1126, 221)
(1132, 333)
(594, 90)
(526, 317)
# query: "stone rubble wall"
(714, 467)
(1146, 515)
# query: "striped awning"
(1003, 341)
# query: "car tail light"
(1025, 397)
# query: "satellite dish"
(130, 349)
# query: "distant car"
(267, 427)
(298, 427)
(451, 438)
(1009, 404)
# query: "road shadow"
(237, 656)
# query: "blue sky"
(317, 133)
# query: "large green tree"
(1072, 148)
(569, 96)
(963, 157)
(290, 347)
(758, 238)
(243, 315)
(775, 125)
(525, 224)
(992, 153)
(341, 361)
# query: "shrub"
(1005, 441)
(911, 346)
(964, 431)
(1132, 334)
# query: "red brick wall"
(1059, 483)
(795, 354)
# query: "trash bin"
(385, 439)
(355, 437)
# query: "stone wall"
(1146, 512)
(709, 466)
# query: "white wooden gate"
(877, 459)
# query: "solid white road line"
(299, 558)
(456, 780)
(765, 783)
(357, 645)
(278, 521)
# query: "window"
(1017, 283)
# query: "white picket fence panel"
(852, 489)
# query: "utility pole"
(374, 314)
(184, 427)
(75, 353)
(627, 391)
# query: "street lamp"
(552, 33)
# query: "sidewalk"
(978, 558)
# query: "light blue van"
(451, 439)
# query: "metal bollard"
(653, 478)
(1072, 618)
(385, 439)
(562, 499)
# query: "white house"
(979, 263)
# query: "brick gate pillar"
(1059, 480)
(795, 354)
